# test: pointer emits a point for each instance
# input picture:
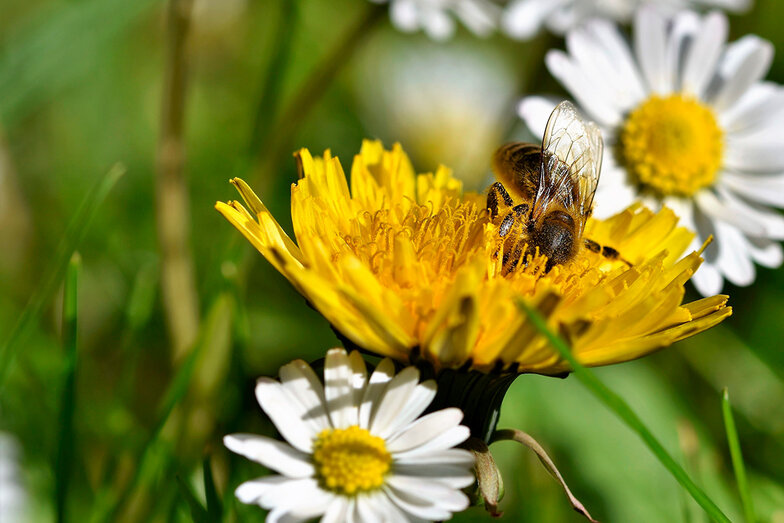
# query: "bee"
(545, 193)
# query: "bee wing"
(571, 162)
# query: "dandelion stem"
(180, 300)
(622, 409)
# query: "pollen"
(351, 460)
(672, 145)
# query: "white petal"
(338, 511)
(423, 498)
(617, 49)
(650, 47)
(704, 54)
(395, 397)
(523, 18)
(734, 261)
(452, 457)
(754, 156)
(479, 17)
(456, 477)
(254, 490)
(614, 193)
(344, 380)
(425, 429)
(535, 110)
(708, 279)
(768, 189)
(437, 24)
(680, 36)
(705, 227)
(770, 222)
(591, 97)
(287, 415)
(378, 507)
(306, 504)
(302, 385)
(271, 453)
(767, 253)
(746, 62)
(404, 15)
(720, 210)
(443, 441)
(377, 384)
(419, 400)
(761, 103)
(600, 68)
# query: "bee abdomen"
(517, 165)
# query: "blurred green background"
(81, 85)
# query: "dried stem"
(180, 300)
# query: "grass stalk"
(72, 238)
(180, 299)
(622, 409)
(737, 458)
(65, 449)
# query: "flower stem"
(178, 286)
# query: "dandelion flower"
(356, 448)
(435, 16)
(408, 267)
(522, 19)
(689, 124)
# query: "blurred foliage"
(80, 89)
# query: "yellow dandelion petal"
(409, 266)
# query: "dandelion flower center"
(350, 460)
(673, 145)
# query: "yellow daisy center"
(673, 145)
(350, 460)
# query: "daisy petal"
(394, 398)
(254, 490)
(767, 189)
(425, 429)
(733, 261)
(592, 98)
(420, 398)
(650, 48)
(704, 53)
(535, 110)
(271, 453)
(745, 63)
(377, 385)
(445, 440)
(302, 384)
(766, 252)
(424, 498)
(708, 280)
(343, 376)
(287, 415)
(338, 510)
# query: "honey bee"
(545, 193)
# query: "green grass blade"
(737, 458)
(71, 240)
(65, 449)
(214, 507)
(176, 391)
(627, 415)
(198, 513)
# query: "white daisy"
(524, 18)
(435, 16)
(690, 124)
(356, 450)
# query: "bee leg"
(607, 252)
(592, 245)
(509, 219)
(497, 190)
